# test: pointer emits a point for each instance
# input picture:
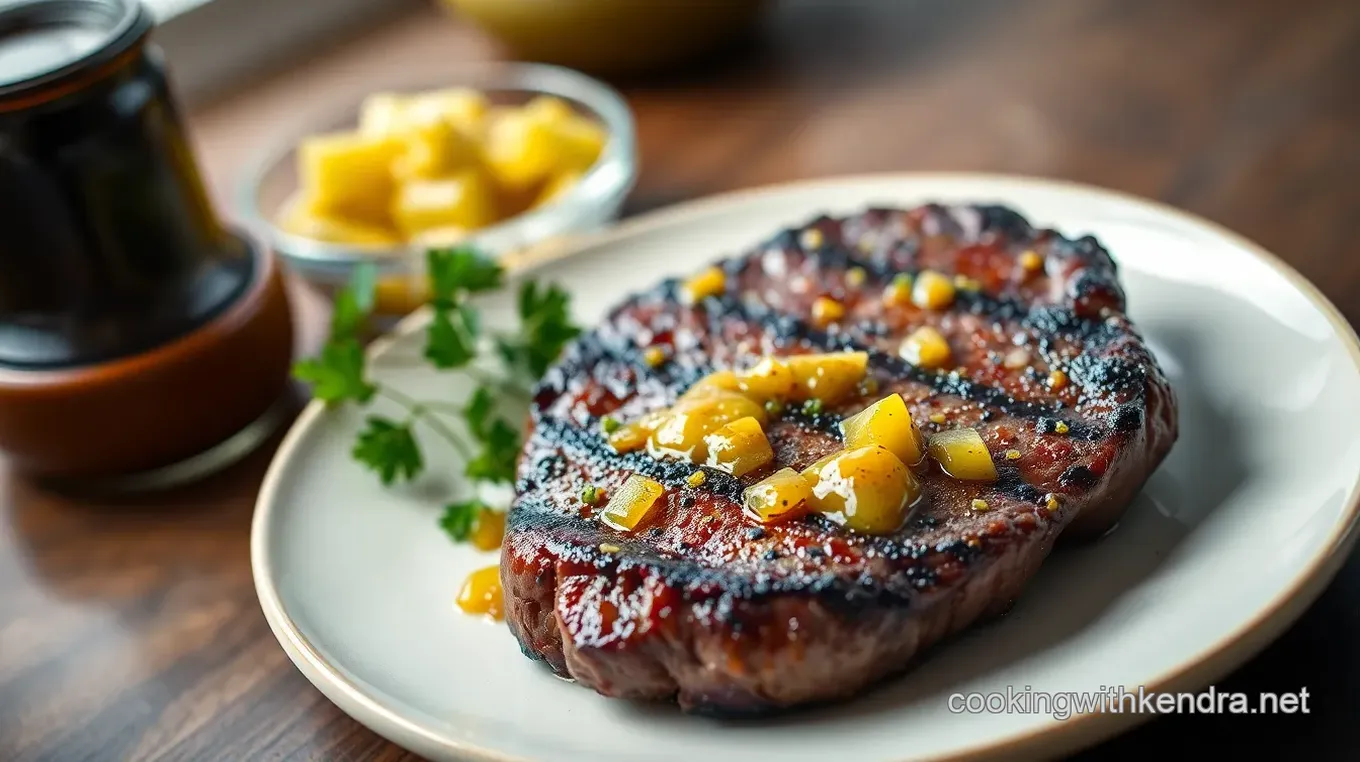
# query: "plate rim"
(1078, 732)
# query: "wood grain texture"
(130, 630)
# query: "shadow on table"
(69, 540)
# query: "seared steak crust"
(704, 606)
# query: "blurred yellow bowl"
(611, 36)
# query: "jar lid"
(46, 42)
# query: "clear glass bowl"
(593, 202)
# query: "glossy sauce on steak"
(706, 606)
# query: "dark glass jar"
(141, 340)
(108, 243)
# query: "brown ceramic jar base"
(169, 414)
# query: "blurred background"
(1231, 110)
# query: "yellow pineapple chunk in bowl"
(503, 157)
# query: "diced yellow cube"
(556, 187)
(632, 503)
(522, 150)
(629, 437)
(582, 142)
(810, 473)
(898, 290)
(828, 377)
(462, 200)
(782, 495)
(529, 145)
(826, 311)
(888, 423)
(549, 108)
(711, 281)
(683, 428)
(739, 447)
(349, 175)
(463, 107)
(963, 455)
(582, 139)
(382, 115)
(867, 489)
(933, 291)
(771, 378)
(433, 149)
(716, 383)
(927, 348)
(299, 217)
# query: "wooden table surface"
(130, 629)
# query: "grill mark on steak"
(1113, 373)
(701, 606)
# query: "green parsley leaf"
(451, 340)
(455, 272)
(460, 519)
(354, 302)
(478, 412)
(337, 374)
(390, 449)
(496, 461)
(545, 329)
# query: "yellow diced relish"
(481, 593)
(717, 381)
(489, 530)
(963, 455)
(629, 437)
(632, 503)
(1030, 261)
(683, 428)
(887, 423)
(828, 377)
(926, 347)
(826, 311)
(898, 290)
(711, 282)
(778, 497)
(932, 291)
(868, 489)
(739, 447)
(771, 378)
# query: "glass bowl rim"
(606, 182)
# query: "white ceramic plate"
(1246, 521)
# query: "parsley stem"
(443, 407)
(499, 382)
(419, 411)
(502, 383)
(444, 431)
(401, 398)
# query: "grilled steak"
(704, 605)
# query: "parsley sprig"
(390, 447)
